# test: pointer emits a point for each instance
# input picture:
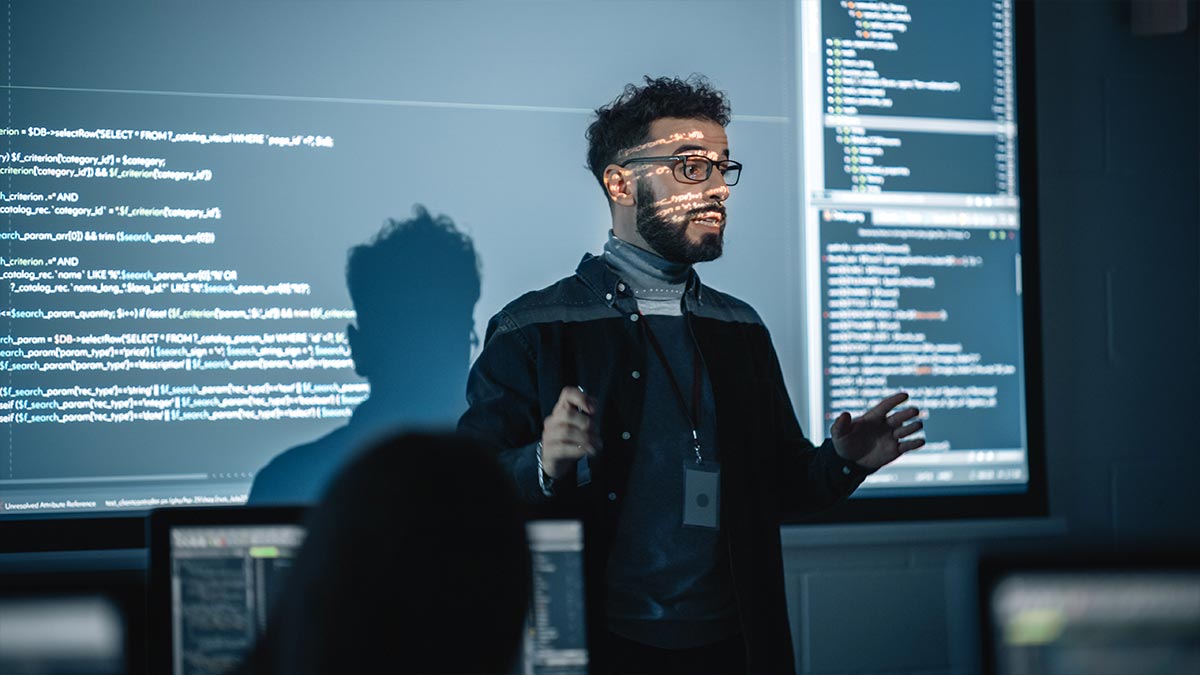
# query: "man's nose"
(719, 193)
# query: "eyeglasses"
(694, 168)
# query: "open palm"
(876, 438)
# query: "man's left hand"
(875, 439)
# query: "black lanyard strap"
(692, 415)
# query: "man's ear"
(618, 183)
(358, 352)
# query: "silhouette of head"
(416, 560)
(414, 288)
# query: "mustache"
(708, 209)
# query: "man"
(652, 406)
(414, 289)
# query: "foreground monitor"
(556, 639)
(1091, 614)
(214, 576)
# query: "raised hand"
(875, 439)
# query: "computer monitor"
(82, 622)
(556, 638)
(215, 573)
(1083, 614)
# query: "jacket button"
(846, 470)
(612, 496)
(624, 435)
(636, 374)
(608, 296)
(633, 317)
(621, 287)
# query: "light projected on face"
(686, 227)
(694, 205)
(678, 207)
(695, 135)
(679, 187)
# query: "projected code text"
(120, 253)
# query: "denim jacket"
(584, 331)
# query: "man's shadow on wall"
(414, 287)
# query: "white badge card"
(701, 494)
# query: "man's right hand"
(569, 432)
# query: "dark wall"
(1119, 203)
(1118, 120)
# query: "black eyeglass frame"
(683, 159)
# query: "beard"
(670, 240)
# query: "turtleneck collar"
(649, 275)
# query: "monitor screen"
(1102, 622)
(182, 182)
(912, 232)
(224, 579)
(556, 639)
(63, 632)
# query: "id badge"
(701, 494)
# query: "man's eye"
(694, 169)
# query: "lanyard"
(693, 414)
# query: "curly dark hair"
(625, 122)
